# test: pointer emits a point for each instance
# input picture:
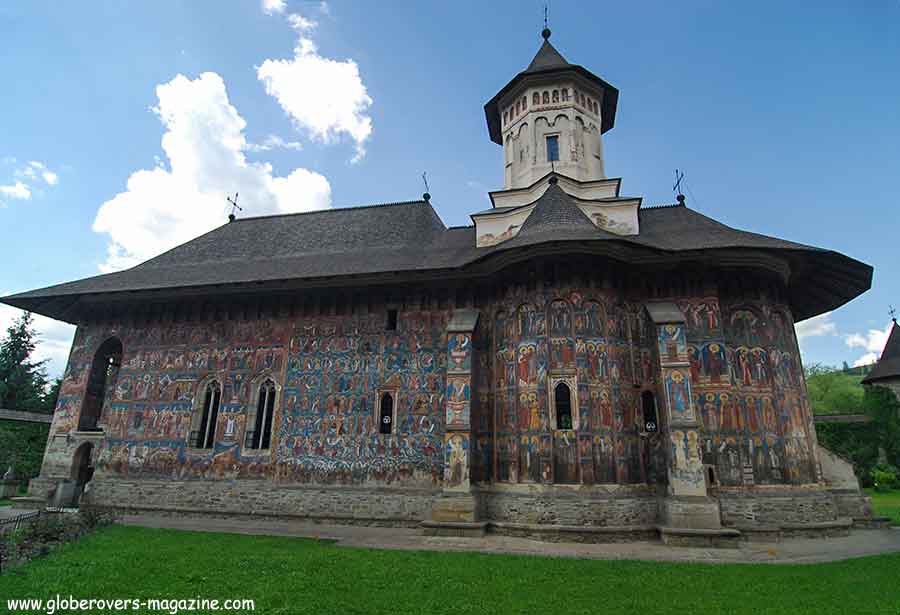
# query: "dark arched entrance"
(102, 379)
(82, 469)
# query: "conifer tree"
(23, 381)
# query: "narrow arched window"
(535, 99)
(386, 414)
(524, 103)
(648, 406)
(562, 395)
(565, 94)
(101, 381)
(545, 97)
(505, 117)
(555, 95)
(204, 433)
(259, 436)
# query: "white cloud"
(271, 7)
(324, 97)
(17, 190)
(273, 142)
(816, 326)
(204, 144)
(873, 341)
(866, 359)
(54, 338)
(23, 186)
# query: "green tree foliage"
(833, 391)
(863, 443)
(23, 381)
(22, 446)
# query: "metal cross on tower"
(234, 206)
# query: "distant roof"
(548, 61)
(888, 365)
(409, 237)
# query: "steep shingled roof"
(888, 365)
(410, 237)
(547, 57)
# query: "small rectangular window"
(392, 320)
(552, 148)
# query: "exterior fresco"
(749, 391)
(327, 370)
(580, 337)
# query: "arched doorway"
(102, 379)
(82, 469)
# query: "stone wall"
(341, 504)
(776, 507)
(563, 507)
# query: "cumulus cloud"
(816, 326)
(872, 341)
(184, 196)
(54, 338)
(323, 97)
(866, 359)
(271, 7)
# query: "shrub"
(884, 477)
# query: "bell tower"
(550, 117)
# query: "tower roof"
(550, 62)
(547, 57)
(888, 365)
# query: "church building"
(574, 364)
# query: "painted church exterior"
(574, 364)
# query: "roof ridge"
(664, 206)
(332, 209)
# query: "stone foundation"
(776, 507)
(340, 504)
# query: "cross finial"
(546, 31)
(893, 313)
(427, 195)
(234, 206)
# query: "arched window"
(524, 103)
(596, 108)
(565, 94)
(505, 117)
(562, 395)
(101, 381)
(386, 414)
(545, 98)
(555, 95)
(648, 405)
(259, 435)
(583, 104)
(203, 434)
(535, 99)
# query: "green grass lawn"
(5, 502)
(286, 575)
(886, 504)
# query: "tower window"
(536, 99)
(562, 395)
(565, 94)
(555, 95)
(545, 98)
(386, 414)
(391, 320)
(552, 148)
(524, 103)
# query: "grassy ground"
(306, 576)
(886, 505)
(5, 502)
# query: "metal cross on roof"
(893, 313)
(679, 176)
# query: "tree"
(832, 391)
(23, 381)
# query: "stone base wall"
(570, 508)
(259, 497)
(777, 507)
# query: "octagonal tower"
(550, 118)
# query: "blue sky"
(141, 116)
